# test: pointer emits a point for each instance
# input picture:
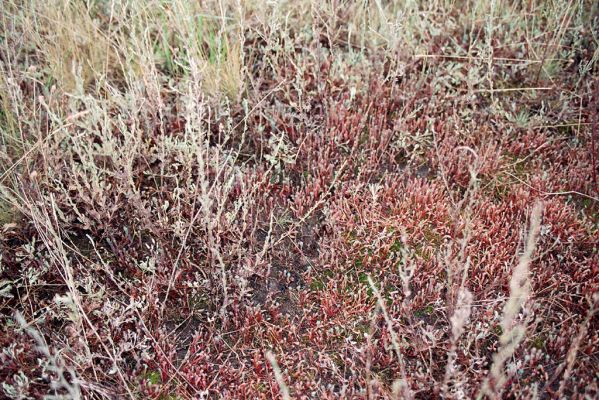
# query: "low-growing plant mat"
(299, 200)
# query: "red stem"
(594, 107)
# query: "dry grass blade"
(278, 376)
(513, 331)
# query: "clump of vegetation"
(299, 199)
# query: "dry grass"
(298, 199)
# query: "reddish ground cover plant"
(299, 200)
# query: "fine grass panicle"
(298, 199)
